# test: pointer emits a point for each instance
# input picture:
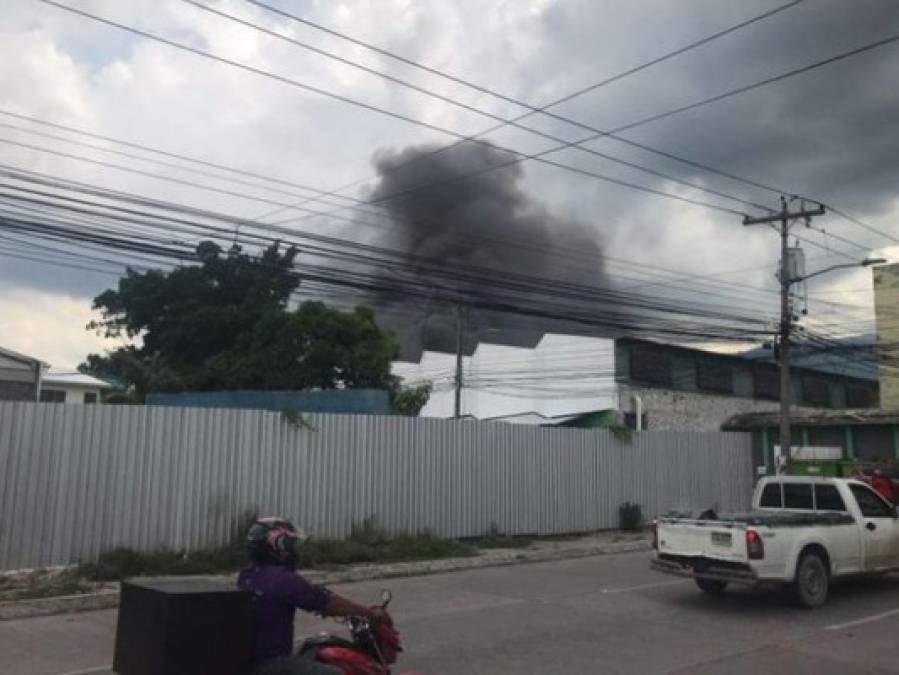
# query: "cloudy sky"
(831, 134)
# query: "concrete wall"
(672, 410)
(886, 313)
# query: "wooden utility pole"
(785, 217)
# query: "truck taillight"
(755, 547)
(654, 530)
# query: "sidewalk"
(538, 551)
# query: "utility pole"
(460, 335)
(786, 311)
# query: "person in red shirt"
(883, 485)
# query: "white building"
(20, 376)
(26, 378)
(71, 387)
(562, 375)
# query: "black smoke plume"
(487, 220)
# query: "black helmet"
(274, 541)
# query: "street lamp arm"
(862, 263)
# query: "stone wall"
(886, 311)
(671, 410)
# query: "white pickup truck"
(802, 531)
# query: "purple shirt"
(277, 592)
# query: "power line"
(131, 220)
(525, 157)
(465, 106)
(522, 157)
(509, 99)
(200, 213)
(164, 153)
(292, 232)
(497, 299)
(535, 110)
(532, 110)
(373, 108)
(653, 118)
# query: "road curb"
(107, 599)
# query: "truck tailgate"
(712, 539)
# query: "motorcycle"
(372, 649)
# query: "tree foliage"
(226, 323)
(410, 400)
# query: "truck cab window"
(798, 496)
(771, 497)
(827, 498)
(870, 504)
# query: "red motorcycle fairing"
(352, 661)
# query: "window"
(90, 397)
(870, 504)
(798, 496)
(711, 376)
(827, 498)
(771, 497)
(766, 383)
(652, 366)
(815, 391)
(53, 396)
(873, 442)
(859, 397)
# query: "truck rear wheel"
(812, 581)
(711, 586)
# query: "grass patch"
(367, 543)
(43, 584)
(122, 563)
(496, 538)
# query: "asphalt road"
(592, 615)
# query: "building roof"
(762, 358)
(69, 378)
(16, 356)
(588, 418)
(530, 417)
(818, 418)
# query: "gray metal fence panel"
(78, 480)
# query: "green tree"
(226, 323)
(409, 400)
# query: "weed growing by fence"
(496, 538)
(368, 543)
(630, 517)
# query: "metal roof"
(820, 418)
(74, 379)
(24, 358)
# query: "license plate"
(722, 538)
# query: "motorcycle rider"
(278, 591)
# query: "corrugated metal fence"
(78, 480)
